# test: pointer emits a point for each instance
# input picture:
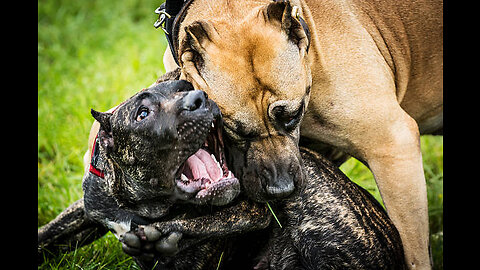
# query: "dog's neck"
(131, 195)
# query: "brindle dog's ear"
(105, 132)
(282, 14)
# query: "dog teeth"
(184, 177)
(218, 164)
(229, 174)
(213, 125)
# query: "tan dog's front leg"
(397, 166)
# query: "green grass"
(95, 54)
(105, 253)
(91, 54)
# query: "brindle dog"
(160, 148)
(350, 230)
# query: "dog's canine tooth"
(218, 164)
(183, 177)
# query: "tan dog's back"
(409, 36)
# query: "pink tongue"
(202, 165)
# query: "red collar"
(94, 159)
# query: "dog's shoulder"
(99, 204)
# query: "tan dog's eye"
(288, 119)
(142, 114)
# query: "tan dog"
(372, 79)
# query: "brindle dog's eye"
(142, 114)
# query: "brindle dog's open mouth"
(205, 173)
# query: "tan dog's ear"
(282, 14)
(199, 35)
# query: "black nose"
(281, 179)
(194, 100)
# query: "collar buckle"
(162, 17)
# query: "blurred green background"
(95, 54)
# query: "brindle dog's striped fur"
(328, 223)
(332, 223)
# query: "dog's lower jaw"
(281, 191)
(258, 185)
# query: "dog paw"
(147, 243)
(131, 243)
(168, 246)
(140, 243)
(151, 233)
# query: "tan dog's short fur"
(372, 79)
(375, 69)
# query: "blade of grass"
(219, 261)
(275, 216)
(155, 265)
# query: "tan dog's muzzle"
(270, 168)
